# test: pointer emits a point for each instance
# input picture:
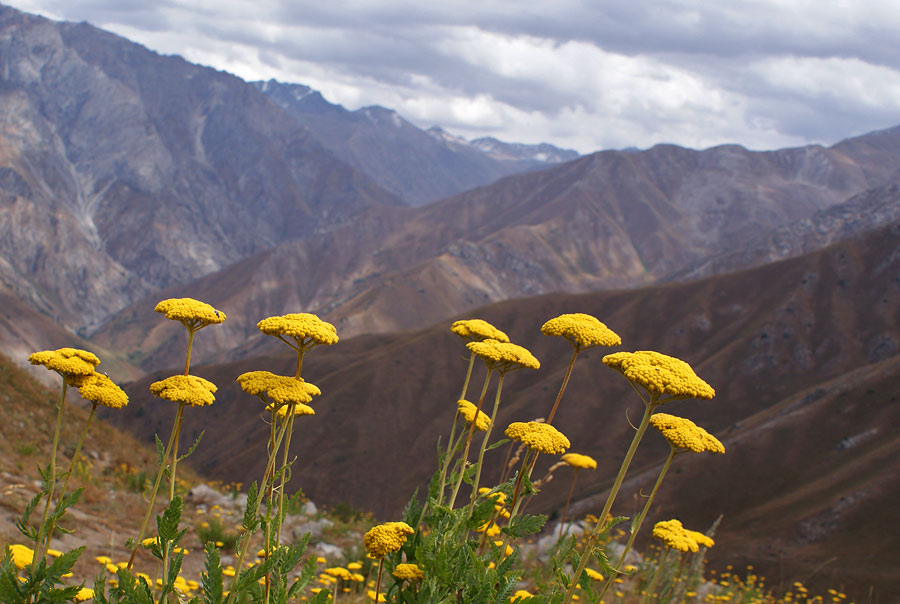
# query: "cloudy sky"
(585, 74)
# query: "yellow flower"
(339, 572)
(660, 374)
(280, 388)
(539, 436)
(73, 364)
(473, 330)
(701, 539)
(467, 410)
(98, 388)
(593, 574)
(674, 535)
(520, 596)
(408, 572)
(85, 593)
(305, 328)
(503, 356)
(582, 331)
(299, 409)
(22, 556)
(189, 389)
(490, 528)
(371, 594)
(684, 434)
(193, 314)
(354, 566)
(386, 538)
(580, 462)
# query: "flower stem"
(465, 455)
(190, 345)
(562, 521)
(39, 545)
(565, 382)
(378, 582)
(648, 591)
(484, 442)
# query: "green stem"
(562, 521)
(284, 471)
(484, 443)
(565, 382)
(640, 520)
(648, 592)
(465, 455)
(601, 523)
(516, 500)
(378, 583)
(39, 549)
(162, 467)
(190, 345)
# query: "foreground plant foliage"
(440, 551)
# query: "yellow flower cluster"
(539, 437)
(520, 596)
(579, 461)
(281, 389)
(582, 330)
(305, 328)
(188, 310)
(339, 572)
(22, 556)
(73, 363)
(660, 374)
(684, 434)
(467, 410)
(674, 535)
(84, 594)
(98, 388)
(504, 356)
(188, 389)
(386, 538)
(477, 330)
(409, 572)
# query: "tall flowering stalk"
(577, 462)
(664, 379)
(675, 537)
(382, 540)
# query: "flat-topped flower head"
(194, 314)
(467, 410)
(386, 538)
(503, 356)
(579, 461)
(339, 572)
(283, 410)
(84, 594)
(660, 374)
(539, 437)
(187, 389)
(408, 572)
(674, 535)
(22, 555)
(306, 329)
(476, 330)
(701, 539)
(581, 330)
(99, 389)
(280, 389)
(684, 434)
(73, 364)
(520, 596)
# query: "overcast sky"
(585, 74)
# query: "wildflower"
(354, 566)
(101, 390)
(660, 374)
(539, 437)
(22, 556)
(299, 409)
(408, 572)
(85, 593)
(386, 538)
(468, 410)
(580, 462)
(674, 535)
(193, 314)
(375, 596)
(476, 330)
(73, 364)
(188, 389)
(520, 596)
(503, 356)
(593, 574)
(581, 330)
(280, 388)
(684, 434)
(339, 572)
(701, 539)
(305, 329)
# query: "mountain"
(417, 165)
(123, 171)
(607, 220)
(803, 354)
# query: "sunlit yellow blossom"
(701, 539)
(674, 535)
(408, 572)
(467, 410)
(98, 388)
(508, 550)
(476, 330)
(305, 329)
(189, 389)
(299, 409)
(490, 528)
(371, 594)
(357, 577)
(660, 374)
(539, 436)
(22, 556)
(497, 496)
(582, 331)
(280, 388)
(520, 596)
(85, 593)
(386, 538)
(339, 572)
(354, 566)
(192, 313)
(503, 356)
(579, 461)
(593, 574)
(684, 434)
(72, 363)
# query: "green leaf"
(193, 446)
(211, 580)
(251, 520)
(525, 524)
(499, 443)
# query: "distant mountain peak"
(542, 152)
